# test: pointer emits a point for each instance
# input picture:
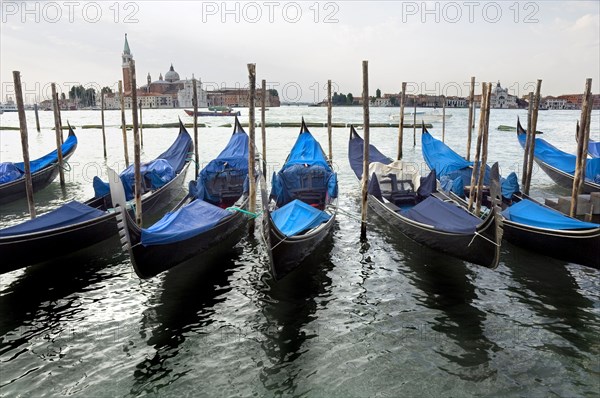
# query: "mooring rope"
(483, 237)
(246, 212)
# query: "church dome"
(171, 75)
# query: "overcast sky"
(297, 46)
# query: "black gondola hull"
(566, 180)
(480, 248)
(149, 261)
(28, 249)
(581, 247)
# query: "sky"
(435, 46)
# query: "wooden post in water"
(401, 125)
(102, 120)
(365, 176)
(582, 144)
(329, 126)
(58, 128)
(263, 127)
(534, 116)
(60, 119)
(37, 117)
(528, 139)
(415, 122)
(24, 141)
(141, 125)
(471, 116)
(444, 118)
(136, 146)
(484, 149)
(195, 118)
(476, 165)
(123, 126)
(251, 141)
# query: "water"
(386, 318)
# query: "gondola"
(593, 146)
(301, 208)
(43, 171)
(528, 223)
(559, 165)
(214, 208)
(75, 225)
(424, 215)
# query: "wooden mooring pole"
(102, 120)
(365, 176)
(141, 125)
(58, 128)
(415, 122)
(476, 163)
(251, 141)
(329, 126)
(401, 124)
(531, 149)
(123, 125)
(528, 139)
(37, 117)
(582, 146)
(24, 142)
(136, 146)
(195, 118)
(471, 116)
(484, 149)
(263, 128)
(444, 118)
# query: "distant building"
(500, 99)
(170, 92)
(241, 97)
(577, 100)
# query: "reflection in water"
(545, 285)
(447, 285)
(182, 307)
(289, 306)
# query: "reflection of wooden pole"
(123, 126)
(102, 120)
(329, 132)
(24, 141)
(528, 138)
(443, 119)
(141, 126)
(582, 144)
(476, 165)
(251, 141)
(484, 149)
(471, 116)
(58, 128)
(534, 116)
(263, 128)
(195, 118)
(136, 146)
(37, 117)
(401, 125)
(365, 176)
(415, 122)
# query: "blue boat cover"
(192, 219)
(155, 173)
(297, 217)
(306, 168)
(232, 163)
(9, 172)
(530, 213)
(68, 214)
(443, 216)
(13, 171)
(355, 154)
(563, 161)
(594, 149)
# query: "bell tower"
(127, 57)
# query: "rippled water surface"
(385, 318)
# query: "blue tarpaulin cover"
(190, 220)
(13, 171)
(355, 155)
(443, 216)
(305, 168)
(530, 213)
(563, 161)
(232, 163)
(296, 217)
(70, 213)
(155, 173)
(594, 149)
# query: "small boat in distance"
(215, 111)
(422, 117)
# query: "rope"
(246, 212)
(68, 166)
(483, 237)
